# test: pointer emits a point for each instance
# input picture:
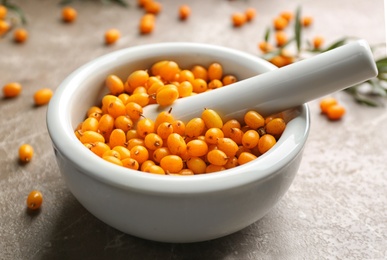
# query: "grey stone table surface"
(336, 207)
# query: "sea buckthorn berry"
(176, 144)
(153, 141)
(139, 153)
(211, 118)
(130, 163)
(238, 19)
(164, 130)
(91, 124)
(156, 67)
(20, 35)
(199, 85)
(42, 96)
(141, 90)
(281, 38)
(185, 89)
(278, 61)
(236, 135)
(217, 157)
(140, 98)
(184, 12)
(168, 70)
(164, 116)
(265, 143)
(200, 72)
(3, 12)
(114, 84)
(4, 27)
(250, 139)
(178, 127)
(145, 126)
(117, 138)
(171, 163)
(124, 123)
(142, 3)
(215, 71)
(95, 112)
(227, 127)
(99, 148)
(214, 168)
(196, 165)
(160, 153)
(231, 163)
(135, 141)
(318, 42)
(280, 23)
(335, 112)
(91, 137)
(166, 95)
(228, 79)
(275, 127)
(112, 153)
(213, 134)
(195, 127)
(147, 24)
(325, 103)
(214, 84)
(26, 152)
(116, 108)
(153, 7)
(12, 89)
(106, 125)
(34, 200)
(136, 79)
(123, 151)
(246, 157)
(306, 21)
(69, 14)
(146, 164)
(112, 36)
(133, 110)
(197, 148)
(250, 13)
(228, 146)
(112, 159)
(265, 47)
(132, 133)
(107, 99)
(155, 169)
(254, 120)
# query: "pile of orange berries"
(331, 108)
(117, 131)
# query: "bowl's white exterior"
(169, 208)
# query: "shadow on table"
(79, 235)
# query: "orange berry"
(4, 27)
(3, 12)
(12, 89)
(287, 15)
(317, 42)
(281, 38)
(280, 23)
(112, 35)
(306, 21)
(265, 47)
(325, 103)
(147, 24)
(184, 12)
(26, 152)
(265, 143)
(20, 35)
(153, 7)
(250, 13)
(43, 96)
(34, 200)
(238, 19)
(69, 14)
(335, 112)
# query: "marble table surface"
(336, 207)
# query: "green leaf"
(298, 29)
(267, 34)
(336, 44)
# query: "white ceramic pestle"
(282, 88)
